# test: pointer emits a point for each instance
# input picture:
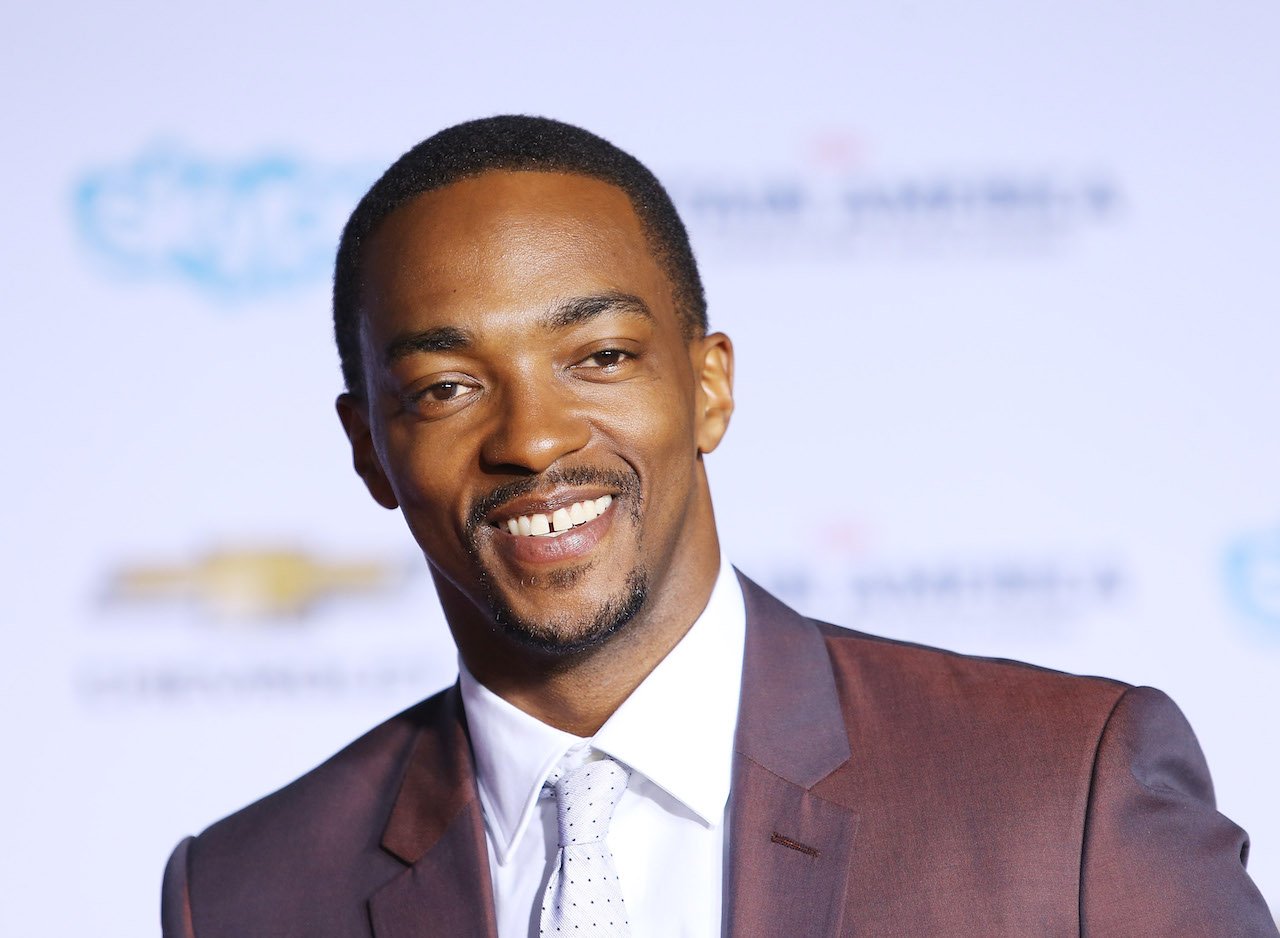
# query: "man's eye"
(446, 391)
(443, 391)
(606, 358)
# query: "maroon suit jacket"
(879, 788)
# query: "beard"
(568, 635)
(565, 636)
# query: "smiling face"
(534, 408)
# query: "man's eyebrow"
(563, 314)
(440, 339)
(580, 309)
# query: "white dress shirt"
(668, 835)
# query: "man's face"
(535, 410)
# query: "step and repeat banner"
(1002, 281)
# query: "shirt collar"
(676, 728)
(514, 753)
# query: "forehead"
(508, 241)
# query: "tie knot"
(585, 800)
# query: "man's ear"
(713, 367)
(355, 420)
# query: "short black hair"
(513, 143)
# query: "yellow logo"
(253, 583)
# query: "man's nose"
(535, 424)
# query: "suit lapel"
(790, 851)
(437, 828)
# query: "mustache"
(624, 483)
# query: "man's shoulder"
(323, 828)
(966, 722)
(897, 666)
(907, 674)
(902, 694)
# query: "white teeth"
(562, 519)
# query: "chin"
(565, 635)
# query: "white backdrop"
(1002, 279)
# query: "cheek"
(427, 480)
(662, 435)
(431, 515)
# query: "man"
(640, 742)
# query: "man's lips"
(536, 539)
(488, 524)
(555, 489)
(552, 521)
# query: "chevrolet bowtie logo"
(253, 583)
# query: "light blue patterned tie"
(583, 896)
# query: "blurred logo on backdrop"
(835, 201)
(1010, 213)
(233, 229)
(1252, 575)
(274, 610)
(252, 584)
(929, 594)
(242, 229)
(931, 598)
